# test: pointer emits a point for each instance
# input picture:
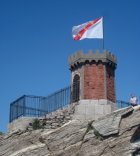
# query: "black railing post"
(121, 104)
(10, 114)
(24, 105)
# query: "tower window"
(76, 88)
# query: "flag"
(91, 29)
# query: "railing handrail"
(21, 97)
(122, 101)
(58, 91)
(30, 96)
(30, 108)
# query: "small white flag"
(91, 29)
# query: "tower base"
(93, 109)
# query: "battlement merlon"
(80, 58)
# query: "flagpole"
(103, 34)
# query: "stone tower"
(93, 79)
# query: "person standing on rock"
(133, 100)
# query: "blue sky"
(36, 40)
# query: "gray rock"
(109, 124)
(68, 118)
(79, 138)
(64, 136)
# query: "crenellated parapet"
(79, 58)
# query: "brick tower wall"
(97, 74)
(94, 81)
(110, 80)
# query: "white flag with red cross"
(91, 29)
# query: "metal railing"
(57, 100)
(26, 105)
(36, 106)
(122, 104)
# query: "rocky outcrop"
(56, 119)
(50, 121)
(109, 124)
(1, 135)
(116, 134)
